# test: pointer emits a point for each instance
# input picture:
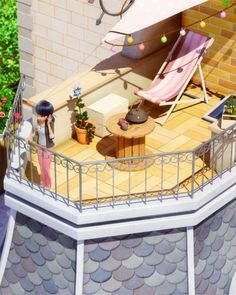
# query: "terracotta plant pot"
(81, 135)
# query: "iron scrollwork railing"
(101, 183)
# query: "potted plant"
(84, 129)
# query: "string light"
(164, 39)
(130, 39)
(141, 47)
(202, 24)
(113, 48)
(223, 14)
(182, 32)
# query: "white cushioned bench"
(104, 108)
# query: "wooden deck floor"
(185, 130)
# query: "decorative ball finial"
(223, 14)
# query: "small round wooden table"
(131, 142)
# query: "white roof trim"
(143, 14)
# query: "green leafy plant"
(9, 58)
(82, 115)
(230, 107)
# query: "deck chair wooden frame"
(171, 102)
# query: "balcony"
(186, 162)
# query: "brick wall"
(60, 38)
(219, 64)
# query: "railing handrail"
(173, 157)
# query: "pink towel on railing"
(170, 82)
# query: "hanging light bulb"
(223, 14)
(202, 24)
(130, 39)
(141, 47)
(182, 32)
(113, 48)
(163, 39)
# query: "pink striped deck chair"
(176, 72)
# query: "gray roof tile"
(143, 249)
(182, 244)
(211, 289)
(24, 231)
(13, 257)
(90, 246)
(17, 289)
(63, 261)
(109, 244)
(46, 253)
(164, 247)
(110, 264)
(69, 274)
(144, 270)
(17, 238)
(56, 247)
(22, 251)
(10, 276)
(154, 259)
(227, 267)
(228, 214)
(133, 283)
(144, 290)
(205, 253)
(38, 259)
(35, 278)
(60, 281)
(215, 276)
(200, 267)
(217, 244)
(53, 267)
(132, 242)
(100, 275)
(213, 257)
(19, 270)
(176, 256)
(176, 277)
(111, 285)
(39, 290)
(202, 235)
(44, 272)
(230, 233)
(155, 280)
(49, 233)
(66, 241)
(210, 238)
(28, 265)
(91, 287)
(86, 278)
(153, 239)
(216, 223)
(34, 226)
(225, 248)
(198, 246)
(220, 262)
(26, 284)
(123, 291)
(165, 268)
(123, 273)
(183, 286)
(90, 266)
(40, 239)
(232, 253)
(70, 253)
(166, 288)
(133, 262)
(208, 271)
(50, 287)
(176, 235)
(121, 252)
(99, 254)
(4, 283)
(223, 280)
(31, 245)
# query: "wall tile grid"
(148, 263)
(41, 261)
(64, 38)
(215, 252)
(219, 62)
